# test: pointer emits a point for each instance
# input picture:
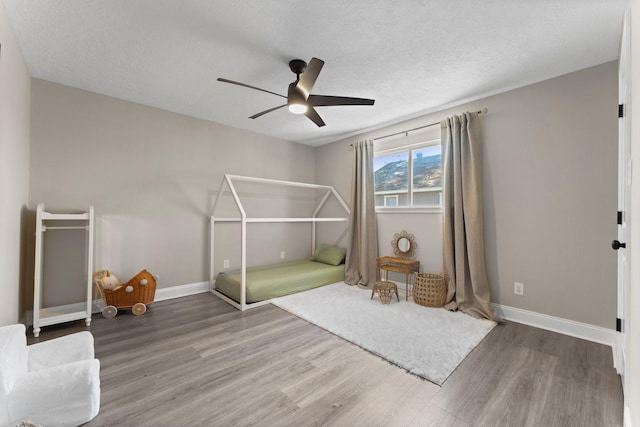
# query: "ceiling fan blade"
(310, 75)
(327, 101)
(220, 79)
(255, 116)
(313, 115)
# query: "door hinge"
(620, 110)
(619, 217)
(618, 324)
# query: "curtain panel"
(463, 224)
(362, 248)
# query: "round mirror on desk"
(404, 244)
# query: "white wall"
(152, 176)
(15, 87)
(549, 174)
(632, 399)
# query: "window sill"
(409, 210)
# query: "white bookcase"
(45, 316)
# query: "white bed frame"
(228, 181)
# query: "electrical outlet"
(226, 263)
(518, 288)
(282, 255)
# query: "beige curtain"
(463, 235)
(362, 248)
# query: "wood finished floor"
(196, 361)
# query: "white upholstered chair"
(52, 383)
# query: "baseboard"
(162, 294)
(557, 324)
(627, 417)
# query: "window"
(409, 176)
(391, 200)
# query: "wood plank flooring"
(196, 361)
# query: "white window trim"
(383, 193)
(426, 190)
(431, 209)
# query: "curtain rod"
(483, 111)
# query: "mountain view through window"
(412, 177)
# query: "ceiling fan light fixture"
(297, 107)
(296, 101)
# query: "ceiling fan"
(299, 97)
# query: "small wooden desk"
(398, 265)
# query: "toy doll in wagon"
(135, 294)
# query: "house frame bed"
(228, 182)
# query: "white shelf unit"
(45, 316)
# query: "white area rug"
(428, 342)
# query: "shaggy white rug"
(428, 342)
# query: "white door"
(624, 192)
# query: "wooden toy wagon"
(135, 294)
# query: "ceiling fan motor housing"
(297, 66)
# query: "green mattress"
(276, 280)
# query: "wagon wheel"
(109, 311)
(139, 309)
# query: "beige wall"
(550, 168)
(151, 176)
(15, 86)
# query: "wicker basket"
(429, 289)
(140, 289)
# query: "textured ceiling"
(411, 56)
